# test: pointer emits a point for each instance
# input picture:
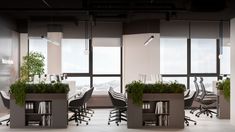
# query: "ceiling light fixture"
(149, 40)
(50, 41)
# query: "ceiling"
(119, 9)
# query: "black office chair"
(88, 110)
(188, 101)
(76, 106)
(118, 114)
(6, 102)
(186, 92)
(206, 100)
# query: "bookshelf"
(159, 110)
(155, 113)
(40, 111)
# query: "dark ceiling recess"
(120, 9)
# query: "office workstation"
(118, 65)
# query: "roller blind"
(174, 29)
(37, 29)
(107, 34)
(73, 30)
(205, 29)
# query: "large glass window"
(75, 56)
(39, 45)
(203, 56)
(173, 55)
(225, 60)
(102, 84)
(106, 60)
(80, 82)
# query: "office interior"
(99, 47)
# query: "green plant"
(225, 86)
(33, 64)
(19, 89)
(18, 92)
(136, 89)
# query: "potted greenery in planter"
(145, 101)
(223, 99)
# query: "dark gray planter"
(137, 116)
(223, 107)
(58, 110)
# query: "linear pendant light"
(148, 40)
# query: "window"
(39, 45)
(81, 82)
(225, 61)
(75, 56)
(102, 84)
(173, 55)
(203, 56)
(106, 60)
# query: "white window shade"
(176, 29)
(106, 42)
(37, 29)
(205, 30)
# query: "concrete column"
(232, 92)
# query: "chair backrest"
(197, 87)
(116, 100)
(188, 101)
(186, 92)
(79, 101)
(89, 93)
(116, 94)
(5, 99)
(203, 89)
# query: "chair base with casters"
(78, 117)
(188, 119)
(205, 111)
(117, 115)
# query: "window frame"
(189, 73)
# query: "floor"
(98, 123)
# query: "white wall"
(232, 92)
(140, 59)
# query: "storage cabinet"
(40, 110)
(159, 110)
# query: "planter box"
(223, 107)
(138, 116)
(56, 114)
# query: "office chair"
(88, 110)
(77, 107)
(186, 92)
(206, 100)
(118, 114)
(6, 102)
(188, 101)
(197, 96)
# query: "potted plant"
(223, 108)
(33, 64)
